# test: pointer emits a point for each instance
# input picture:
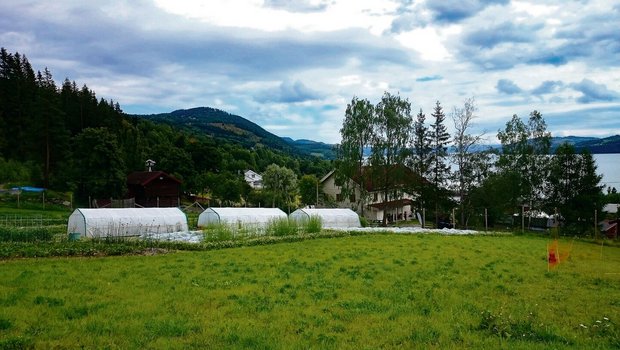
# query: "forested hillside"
(605, 145)
(222, 125)
(65, 138)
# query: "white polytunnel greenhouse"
(240, 217)
(124, 222)
(330, 218)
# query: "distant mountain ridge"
(595, 145)
(604, 145)
(315, 148)
(223, 125)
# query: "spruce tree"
(439, 171)
(574, 188)
(421, 146)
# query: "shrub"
(363, 221)
(282, 227)
(5, 324)
(218, 232)
(16, 343)
(30, 234)
(313, 225)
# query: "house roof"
(393, 204)
(608, 226)
(327, 176)
(143, 178)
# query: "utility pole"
(317, 194)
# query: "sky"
(293, 66)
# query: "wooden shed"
(610, 228)
(154, 189)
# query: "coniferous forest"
(65, 138)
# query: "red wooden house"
(610, 228)
(154, 189)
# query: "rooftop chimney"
(150, 164)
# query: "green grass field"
(362, 292)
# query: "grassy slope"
(354, 292)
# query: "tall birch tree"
(393, 129)
(357, 134)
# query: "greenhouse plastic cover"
(126, 221)
(330, 218)
(252, 217)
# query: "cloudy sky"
(292, 66)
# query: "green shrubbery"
(364, 221)
(29, 234)
(282, 227)
(313, 225)
(218, 232)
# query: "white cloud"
(292, 66)
(373, 15)
(534, 9)
(427, 42)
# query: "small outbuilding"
(240, 217)
(154, 189)
(330, 218)
(609, 228)
(124, 222)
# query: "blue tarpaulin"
(29, 189)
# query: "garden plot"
(181, 236)
(445, 231)
(198, 237)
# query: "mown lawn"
(362, 292)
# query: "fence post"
(595, 223)
(423, 217)
(453, 219)
(522, 218)
(486, 222)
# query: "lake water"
(608, 165)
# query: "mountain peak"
(223, 125)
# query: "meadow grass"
(362, 292)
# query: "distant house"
(610, 228)
(611, 208)
(154, 189)
(253, 179)
(398, 205)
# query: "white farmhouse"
(253, 179)
(397, 205)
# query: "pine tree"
(50, 133)
(574, 188)
(439, 171)
(421, 146)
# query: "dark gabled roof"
(393, 204)
(143, 178)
